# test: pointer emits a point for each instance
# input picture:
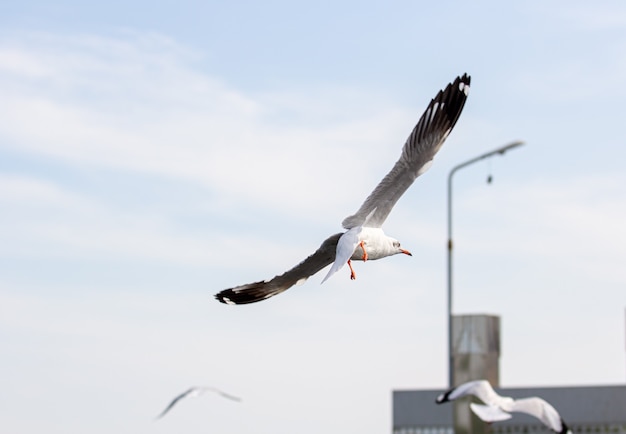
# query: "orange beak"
(406, 252)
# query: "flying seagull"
(195, 392)
(498, 407)
(364, 238)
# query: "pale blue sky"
(154, 154)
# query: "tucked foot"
(362, 244)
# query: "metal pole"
(500, 151)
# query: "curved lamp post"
(499, 151)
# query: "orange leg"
(364, 251)
(352, 273)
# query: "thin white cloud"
(15, 189)
(143, 106)
(45, 220)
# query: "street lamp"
(500, 151)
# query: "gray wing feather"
(174, 401)
(257, 291)
(423, 143)
(228, 395)
(195, 391)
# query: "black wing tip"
(246, 294)
(444, 397)
(444, 110)
(453, 98)
(229, 297)
(223, 297)
(461, 82)
(456, 92)
(465, 78)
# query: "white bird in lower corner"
(364, 238)
(497, 408)
(195, 392)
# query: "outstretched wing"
(196, 391)
(257, 291)
(174, 401)
(224, 394)
(478, 388)
(543, 411)
(417, 154)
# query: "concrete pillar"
(475, 353)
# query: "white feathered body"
(377, 245)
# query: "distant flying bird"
(364, 238)
(498, 407)
(195, 392)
